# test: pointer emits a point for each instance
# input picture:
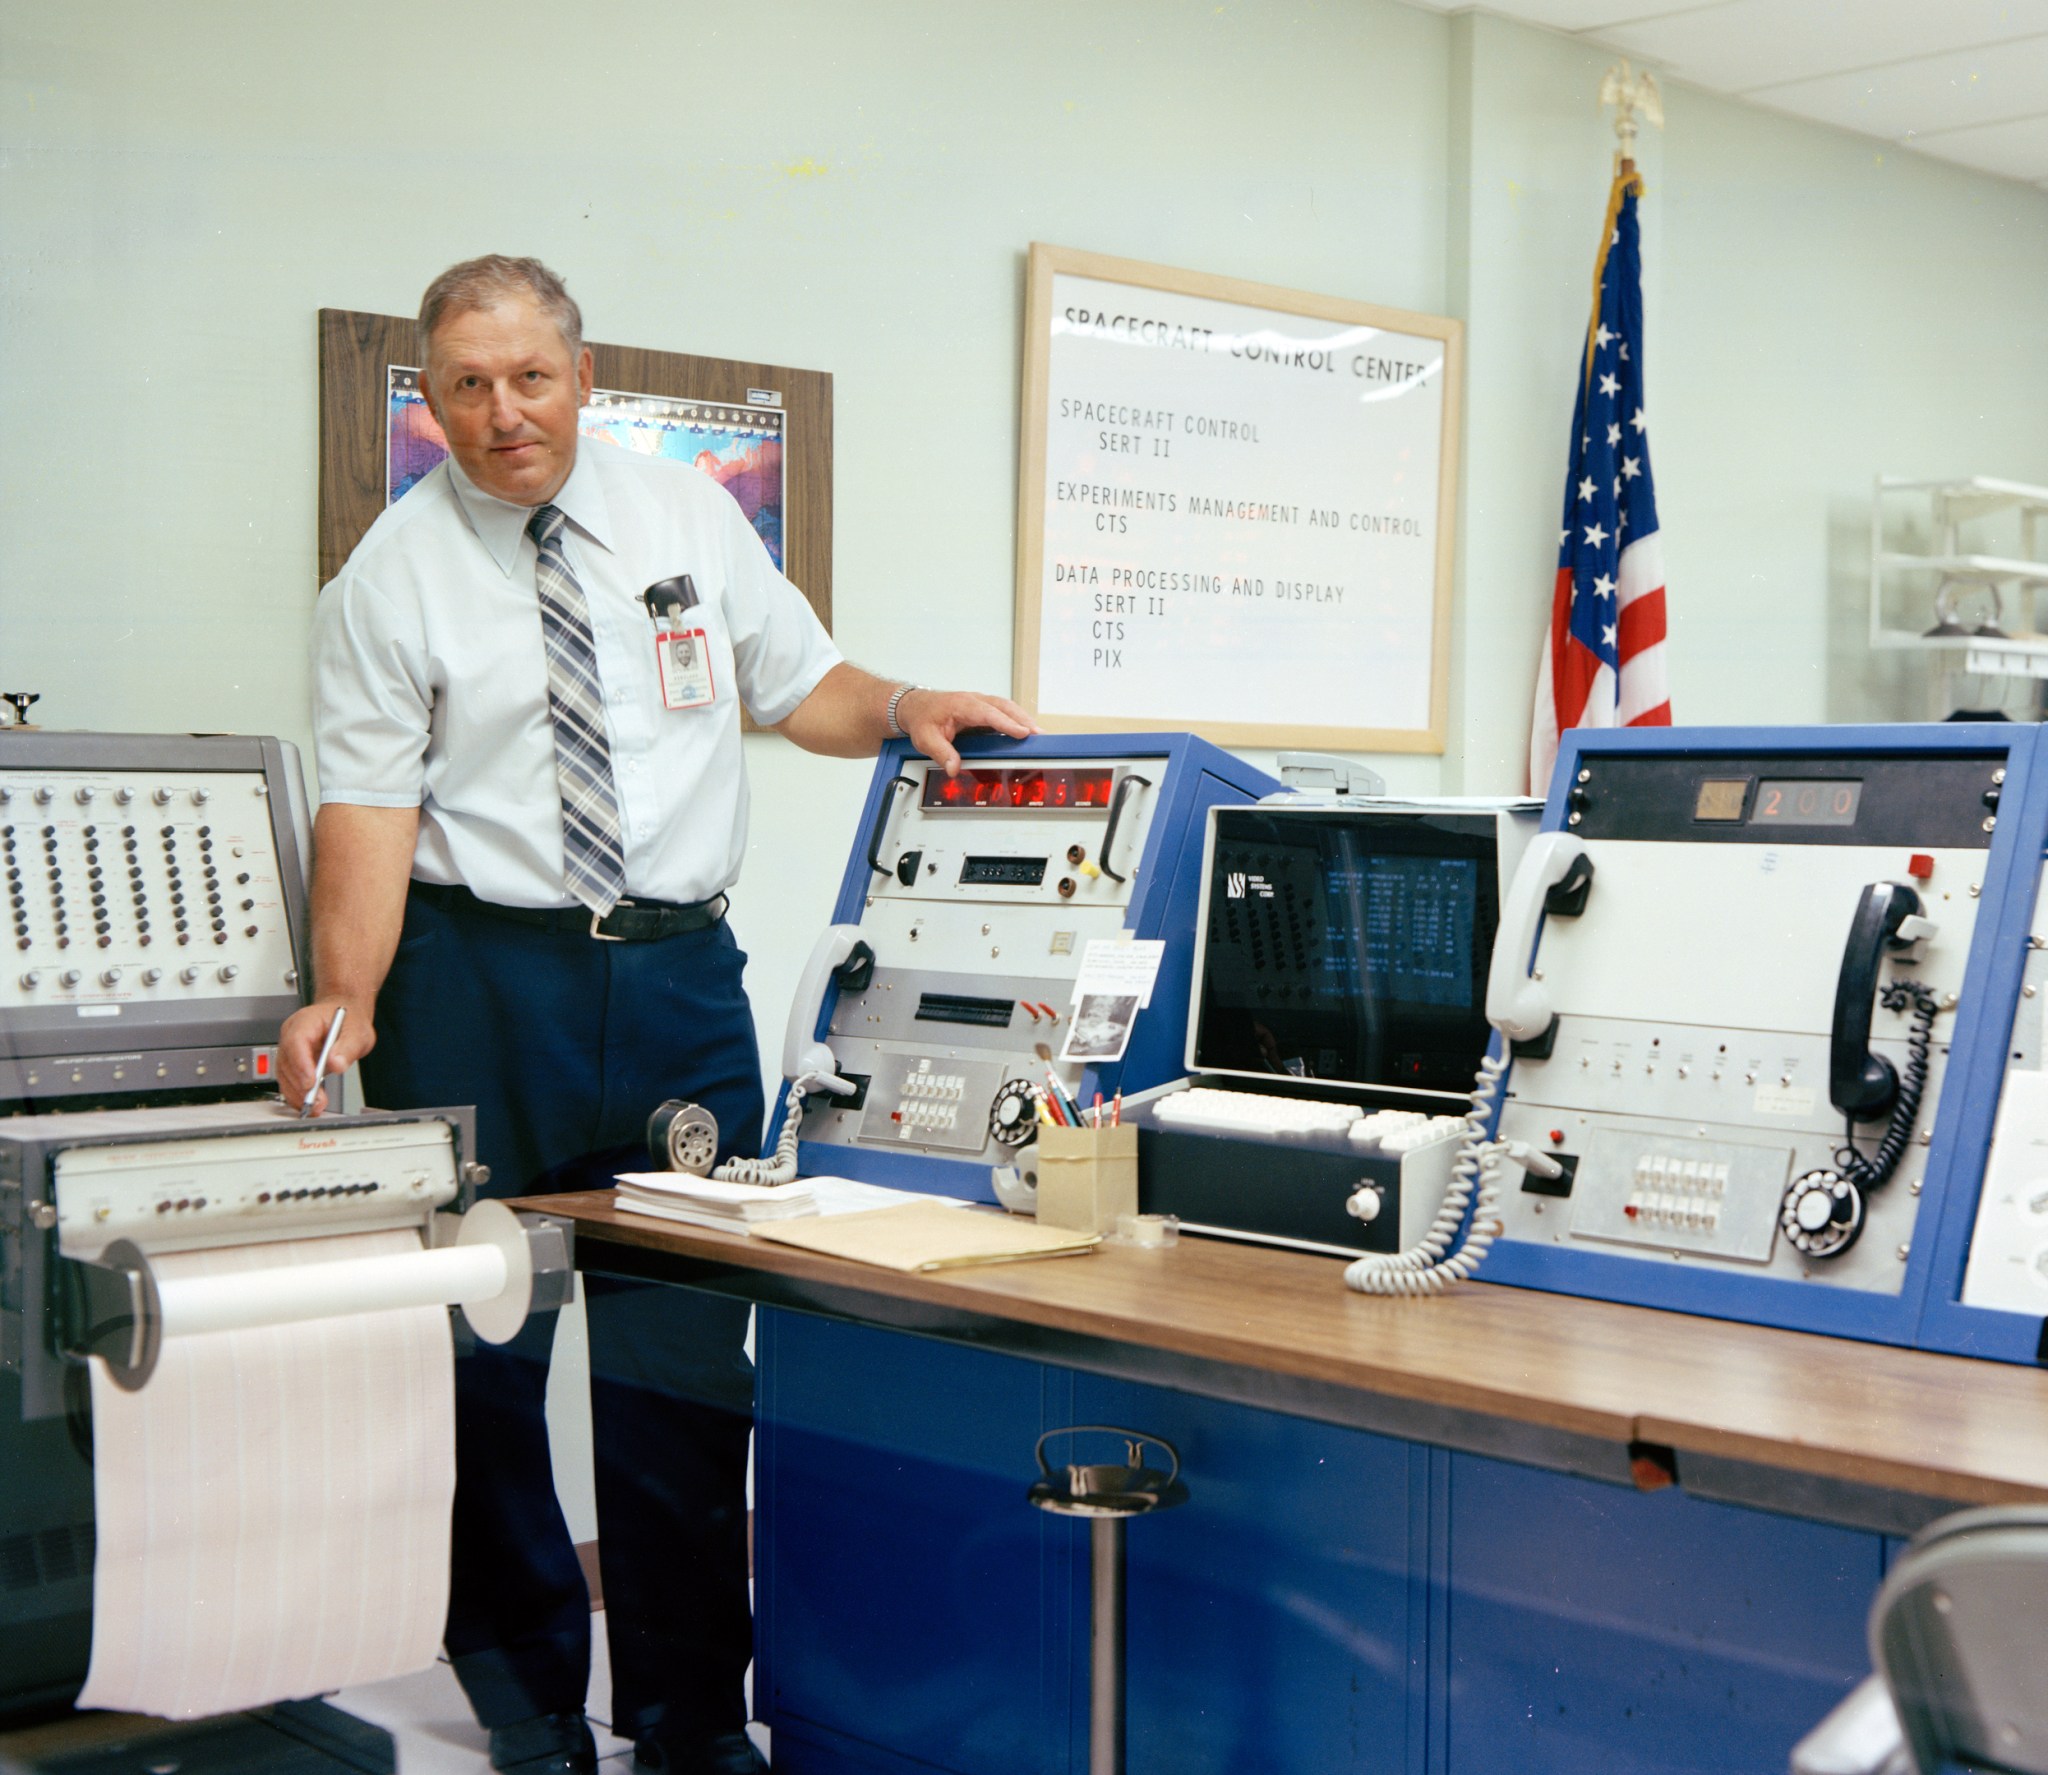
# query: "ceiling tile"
(1955, 91)
(1754, 43)
(1574, 15)
(2018, 150)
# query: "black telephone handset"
(1863, 1085)
(1823, 1212)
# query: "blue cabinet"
(1328, 1602)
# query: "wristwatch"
(896, 727)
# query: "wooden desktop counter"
(1854, 1433)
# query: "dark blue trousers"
(564, 1044)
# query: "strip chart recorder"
(930, 1004)
(1749, 976)
(155, 899)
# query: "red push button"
(1920, 866)
(262, 1064)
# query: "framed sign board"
(1235, 509)
(762, 431)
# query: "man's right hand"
(300, 1041)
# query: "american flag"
(1603, 665)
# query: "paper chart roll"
(291, 1292)
(272, 1508)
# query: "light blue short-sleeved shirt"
(431, 684)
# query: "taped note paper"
(1117, 967)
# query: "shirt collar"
(501, 526)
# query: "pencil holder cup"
(1087, 1177)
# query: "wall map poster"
(1235, 509)
(739, 447)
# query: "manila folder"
(925, 1236)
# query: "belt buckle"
(597, 917)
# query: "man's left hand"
(934, 719)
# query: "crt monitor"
(1346, 945)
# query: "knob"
(1365, 1203)
(69, 977)
(229, 971)
(199, 798)
(162, 798)
(31, 980)
(123, 795)
(82, 796)
(44, 796)
(188, 975)
(110, 977)
(150, 976)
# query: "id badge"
(684, 658)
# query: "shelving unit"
(2001, 640)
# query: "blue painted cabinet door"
(1277, 1618)
(911, 1603)
(1592, 1627)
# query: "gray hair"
(496, 278)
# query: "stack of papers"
(740, 1207)
(704, 1201)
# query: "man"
(521, 858)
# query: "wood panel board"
(1940, 1426)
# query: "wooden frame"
(1048, 262)
(356, 349)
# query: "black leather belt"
(630, 921)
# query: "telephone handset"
(1823, 1213)
(1863, 1085)
(1553, 879)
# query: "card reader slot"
(959, 1007)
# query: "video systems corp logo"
(1233, 887)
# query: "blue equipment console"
(1759, 985)
(961, 923)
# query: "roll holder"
(496, 1265)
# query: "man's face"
(506, 393)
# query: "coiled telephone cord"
(1868, 1174)
(781, 1166)
(1423, 1268)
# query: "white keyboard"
(1252, 1112)
(1403, 1130)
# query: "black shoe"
(730, 1753)
(547, 1744)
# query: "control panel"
(975, 897)
(2001, 1307)
(172, 1194)
(125, 885)
(153, 911)
(1731, 973)
(186, 1176)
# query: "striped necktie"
(592, 854)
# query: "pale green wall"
(852, 188)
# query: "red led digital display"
(1023, 787)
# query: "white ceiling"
(1966, 80)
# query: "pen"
(320, 1065)
(1116, 1109)
(1098, 1109)
(1069, 1110)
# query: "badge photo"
(683, 658)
